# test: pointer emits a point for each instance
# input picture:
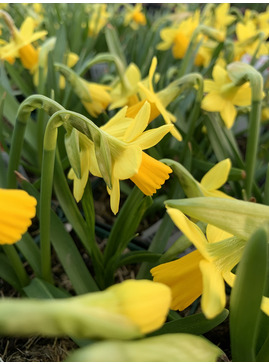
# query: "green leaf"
(7, 272)
(163, 348)
(195, 324)
(19, 80)
(125, 227)
(67, 251)
(246, 298)
(39, 288)
(138, 256)
(114, 44)
(30, 251)
(240, 218)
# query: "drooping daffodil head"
(17, 208)
(223, 95)
(120, 155)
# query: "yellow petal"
(213, 297)
(184, 278)
(191, 230)
(265, 305)
(228, 114)
(217, 175)
(210, 85)
(151, 137)
(139, 123)
(151, 72)
(219, 75)
(212, 102)
(133, 74)
(27, 27)
(126, 161)
(118, 124)
(243, 96)
(215, 234)
(114, 195)
(17, 208)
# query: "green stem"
(15, 153)
(17, 265)
(50, 142)
(266, 188)
(252, 144)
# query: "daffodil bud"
(213, 33)
(240, 218)
(71, 140)
(240, 73)
(77, 82)
(123, 311)
(163, 348)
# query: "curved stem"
(50, 142)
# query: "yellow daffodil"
(94, 97)
(71, 59)
(17, 208)
(199, 272)
(98, 98)
(179, 38)
(248, 40)
(220, 18)
(125, 140)
(122, 96)
(21, 43)
(160, 99)
(134, 16)
(98, 19)
(223, 96)
(204, 270)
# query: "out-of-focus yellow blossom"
(123, 311)
(21, 43)
(98, 19)
(134, 16)
(98, 98)
(223, 95)
(160, 100)
(17, 208)
(248, 40)
(179, 38)
(197, 272)
(220, 18)
(126, 140)
(122, 96)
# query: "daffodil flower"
(124, 141)
(202, 271)
(21, 43)
(223, 95)
(160, 99)
(122, 96)
(220, 19)
(98, 19)
(17, 208)
(134, 16)
(94, 97)
(178, 38)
